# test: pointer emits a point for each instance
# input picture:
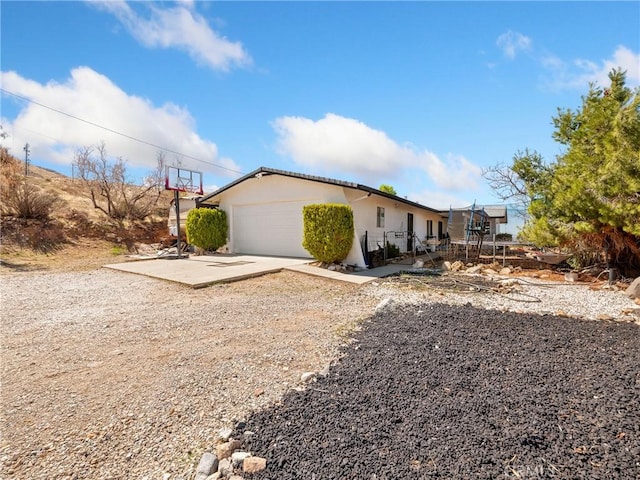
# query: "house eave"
(263, 171)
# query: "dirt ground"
(113, 375)
(83, 255)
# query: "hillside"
(76, 236)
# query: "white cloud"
(622, 58)
(179, 27)
(210, 188)
(578, 74)
(512, 42)
(91, 96)
(339, 144)
(439, 199)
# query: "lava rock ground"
(438, 391)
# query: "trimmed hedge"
(207, 228)
(328, 231)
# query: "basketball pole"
(181, 180)
(176, 197)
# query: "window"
(429, 228)
(380, 218)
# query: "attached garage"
(269, 229)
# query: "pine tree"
(589, 198)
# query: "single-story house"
(264, 212)
(486, 217)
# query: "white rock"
(308, 376)
(238, 457)
(208, 464)
(225, 467)
(476, 269)
(225, 433)
(384, 304)
(634, 289)
(571, 276)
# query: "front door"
(409, 232)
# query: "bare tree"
(157, 175)
(110, 190)
(514, 183)
(508, 186)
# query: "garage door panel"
(269, 229)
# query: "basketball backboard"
(183, 180)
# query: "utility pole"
(26, 160)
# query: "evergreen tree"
(590, 197)
(387, 189)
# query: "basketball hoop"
(183, 180)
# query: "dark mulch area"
(456, 392)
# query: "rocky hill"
(72, 229)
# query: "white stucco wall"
(276, 188)
(396, 218)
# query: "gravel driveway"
(110, 375)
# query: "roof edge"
(331, 181)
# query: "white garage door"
(269, 229)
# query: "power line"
(120, 133)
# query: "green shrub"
(328, 231)
(393, 251)
(118, 250)
(504, 237)
(207, 228)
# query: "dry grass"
(77, 236)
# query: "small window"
(429, 228)
(380, 218)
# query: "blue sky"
(418, 95)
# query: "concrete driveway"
(201, 271)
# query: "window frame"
(380, 217)
(429, 228)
